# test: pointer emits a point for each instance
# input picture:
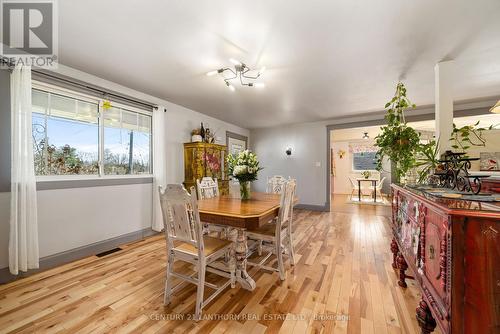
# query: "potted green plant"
(398, 142)
(366, 174)
(427, 160)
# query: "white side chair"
(278, 234)
(185, 241)
(378, 188)
(275, 184)
(354, 187)
(207, 188)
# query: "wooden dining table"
(238, 216)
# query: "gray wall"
(4, 131)
(308, 143)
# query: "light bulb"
(234, 61)
(259, 85)
(231, 87)
(209, 74)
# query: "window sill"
(69, 182)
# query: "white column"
(443, 80)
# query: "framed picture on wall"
(490, 161)
(235, 142)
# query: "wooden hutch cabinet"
(204, 159)
(453, 249)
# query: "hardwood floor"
(343, 283)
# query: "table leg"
(359, 190)
(240, 257)
(374, 191)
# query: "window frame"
(53, 89)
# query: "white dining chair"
(275, 184)
(354, 187)
(279, 234)
(186, 242)
(207, 187)
(378, 188)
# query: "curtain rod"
(4, 61)
(93, 88)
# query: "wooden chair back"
(207, 188)
(181, 217)
(275, 184)
(286, 205)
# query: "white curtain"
(159, 164)
(23, 241)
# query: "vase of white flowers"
(244, 167)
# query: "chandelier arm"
(241, 81)
(244, 73)
(230, 70)
(226, 80)
(251, 77)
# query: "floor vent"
(111, 251)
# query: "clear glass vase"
(245, 190)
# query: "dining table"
(237, 216)
(374, 185)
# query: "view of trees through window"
(67, 137)
(127, 138)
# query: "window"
(363, 157)
(362, 161)
(75, 135)
(127, 142)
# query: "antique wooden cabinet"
(491, 185)
(204, 159)
(453, 249)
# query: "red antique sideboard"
(453, 249)
(491, 185)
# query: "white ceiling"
(325, 59)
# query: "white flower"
(239, 170)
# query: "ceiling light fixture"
(365, 135)
(241, 72)
(496, 108)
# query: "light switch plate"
(317, 164)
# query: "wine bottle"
(202, 132)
